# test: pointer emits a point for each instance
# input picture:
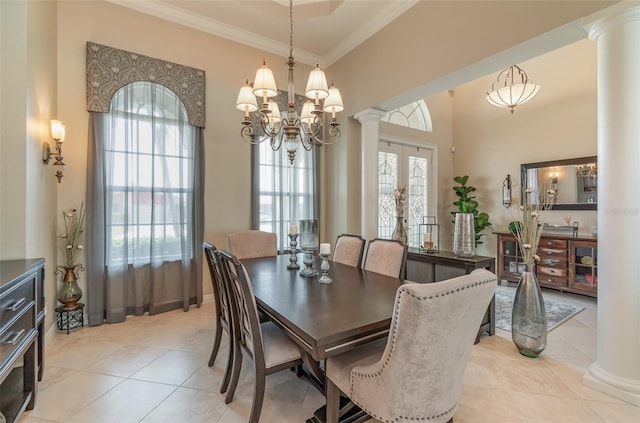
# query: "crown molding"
(211, 26)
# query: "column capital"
(368, 115)
(611, 17)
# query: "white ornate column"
(370, 134)
(617, 367)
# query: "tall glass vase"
(528, 318)
(400, 231)
(464, 235)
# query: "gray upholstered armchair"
(416, 374)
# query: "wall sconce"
(506, 192)
(57, 133)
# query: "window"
(414, 115)
(411, 166)
(283, 193)
(150, 184)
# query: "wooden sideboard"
(435, 267)
(567, 263)
(21, 334)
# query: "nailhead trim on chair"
(392, 335)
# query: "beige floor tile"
(129, 402)
(61, 400)
(173, 367)
(535, 408)
(127, 360)
(191, 405)
(616, 413)
(480, 404)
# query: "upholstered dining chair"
(252, 244)
(416, 373)
(222, 313)
(386, 256)
(349, 250)
(265, 344)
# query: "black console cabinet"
(21, 334)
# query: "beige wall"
(28, 208)
(559, 123)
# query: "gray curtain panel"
(145, 179)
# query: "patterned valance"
(109, 69)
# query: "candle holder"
(309, 241)
(293, 258)
(324, 267)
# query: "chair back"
(252, 244)
(349, 250)
(386, 256)
(419, 375)
(220, 294)
(244, 316)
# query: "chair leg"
(237, 366)
(216, 343)
(228, 370)
(333, 401)
(258, 394)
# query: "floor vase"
(528, 318)
(69, 293)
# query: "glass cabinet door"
(583, 263)
(511, 259)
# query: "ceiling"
(323, 30)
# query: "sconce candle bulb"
(58, 134)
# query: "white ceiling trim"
(175, 14)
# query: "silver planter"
(464, 235)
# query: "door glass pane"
(417, 198)
(387, 183)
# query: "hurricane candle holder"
(324, 267)
(309, 239)
(293, 258)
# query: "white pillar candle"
(427, 240)
(325, 248)
(293, 229)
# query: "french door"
(410, 166)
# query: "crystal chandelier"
(292, 128)
(511, 88)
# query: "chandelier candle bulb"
(325, 248)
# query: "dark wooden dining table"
(324, 319)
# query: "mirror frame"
(579, 160)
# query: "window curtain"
(145, 179)
(283, 193)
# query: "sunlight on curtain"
(283, 193)
(150, 171)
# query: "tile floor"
(154, 369)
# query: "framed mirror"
(574, 180)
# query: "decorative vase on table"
(70, 292)
(400, 231)
(528, 318)
(464, 235)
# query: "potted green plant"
(466, 203)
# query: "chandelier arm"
(248, 136)
(334, 133)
